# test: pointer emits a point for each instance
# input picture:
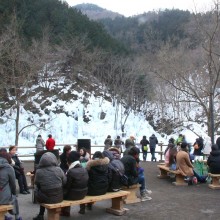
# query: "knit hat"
(73, 156)
(3, 150)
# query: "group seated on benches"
(78, 182)
(181, 161)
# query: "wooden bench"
(53, 210)
(215, 181)
(132, 197)
(3, 210)
(31, 185)
(165, 171)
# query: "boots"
(82, 209)
(39, 217)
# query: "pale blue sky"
(134, 7)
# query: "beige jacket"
(183, 163)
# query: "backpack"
(118, 177)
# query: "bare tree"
(195, 72)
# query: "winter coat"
(39, 144)
(130, 166)
(183, 163)
(50, 144)
(116, 169)
(49, 179)
(63, 162)
(129, 143)
(77, 181)
(144, 142)
(84, 158)
(214, 162)
(218, 142)
(108, 143)
(98, 176)
(153, 141)
(7, 182)
(18, 167)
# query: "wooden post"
(53, 214)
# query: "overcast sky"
(134, 7)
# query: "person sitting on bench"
(133, 172)
(49, 179)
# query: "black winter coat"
(130, 166)
(153, 141)
(18, 168)
(144, 142)
(76, 185)
(214, 162)
(98, 176)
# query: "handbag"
(14, 203)
(146, 148)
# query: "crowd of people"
(75, 174)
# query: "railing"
(30, 156)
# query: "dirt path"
(169, 202)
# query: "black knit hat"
(73, 156)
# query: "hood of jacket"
(48, 159)
(108, 154)
(3, 163)
(215, 153)
(97, 162)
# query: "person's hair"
(184, 146)
(144, 137)
(12, 147)
(7, 156)
(98, 154)
(109, 136)
(38, 135)
(118, 137)
(66, 148)
(50, 136)
(84, 151)
(169, 146)
(133, 151)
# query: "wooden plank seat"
(53, 210)
(133, 190)
(215, 181)
(165, 171)
(3, 210)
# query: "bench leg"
(180, 180)
(163, 174)
(215, 183)
(2, 215)
(117, 207)
(53, 214)
(132, 197)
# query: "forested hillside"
(163, 64)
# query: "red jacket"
(50, 143)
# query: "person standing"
(153, 142)
(108, 142)
(118, 143)
(40, 143)
(50, 143)
(144, 146)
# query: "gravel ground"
(168, 202)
